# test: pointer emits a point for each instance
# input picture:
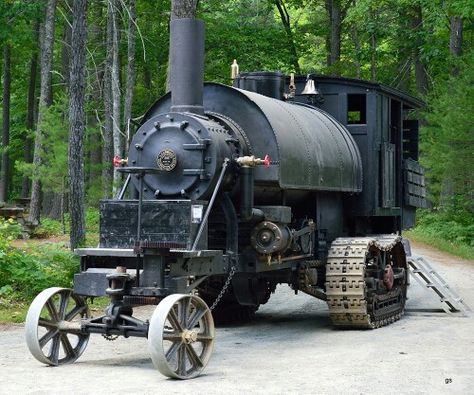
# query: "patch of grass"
(29, 266)
(98, 305)
(48, 228)
(92, 220)
(23, 274)
(460, 249)
(15, 313)
(92, 239)
(53, 228)
(451, 231)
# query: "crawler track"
(352, 303)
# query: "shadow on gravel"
(131, 362)
(275, 323)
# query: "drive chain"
(224, 288)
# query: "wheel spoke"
(74, 312)
(70, 352)
(54, 351)
(172, 350)
(174, 321)
(198, 314)
(183, 311)
(63, 303)
(52, 310)
(47, 323)
(193, 357)
(47, 337)
(204, 338)
(172, 336)
(187, 312)
(182, 360)
(181, 336)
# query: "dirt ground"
(289, 348)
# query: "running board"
(426, 276)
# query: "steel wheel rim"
(46, 336)
(181, 336)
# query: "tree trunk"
(66, 45)
(373, 58)
(95, 95)
(356, 42)
(44, 101)
(334, 10)
(52, 204)
(421, 75)
(108, 145)
(183, 8)
(30, 112)
(147, 78)
(130, 85)
(77, 122)
(5, 163)
(115, 76)
(285, 19)
(455, 38)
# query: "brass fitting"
(252, 161)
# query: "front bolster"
(91, 283)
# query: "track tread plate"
(345, 282)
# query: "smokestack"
(187, 65)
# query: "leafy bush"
(48, 228)
(446, 226)
(24, 274)
(10, 229)
(92, 220)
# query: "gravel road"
(289, 348)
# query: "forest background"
(67, 101)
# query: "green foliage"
(247, 30)
(48, 228)
(251, 31)
(441, 231)
(448, 144)
(54, 168)
(92, 220)
(445, 226)
(23, 274)
(9, 229)
(51, 227)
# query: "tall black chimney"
(187, 65)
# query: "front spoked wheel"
(52, 327)
(181, 336)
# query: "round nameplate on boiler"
(166, 160)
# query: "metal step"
(426, 276)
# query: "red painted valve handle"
(267, 161)
(116, 161)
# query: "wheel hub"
(189, 336)
(388, 277)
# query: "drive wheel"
(53, 329)
(181, 336)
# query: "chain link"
(224, 288)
